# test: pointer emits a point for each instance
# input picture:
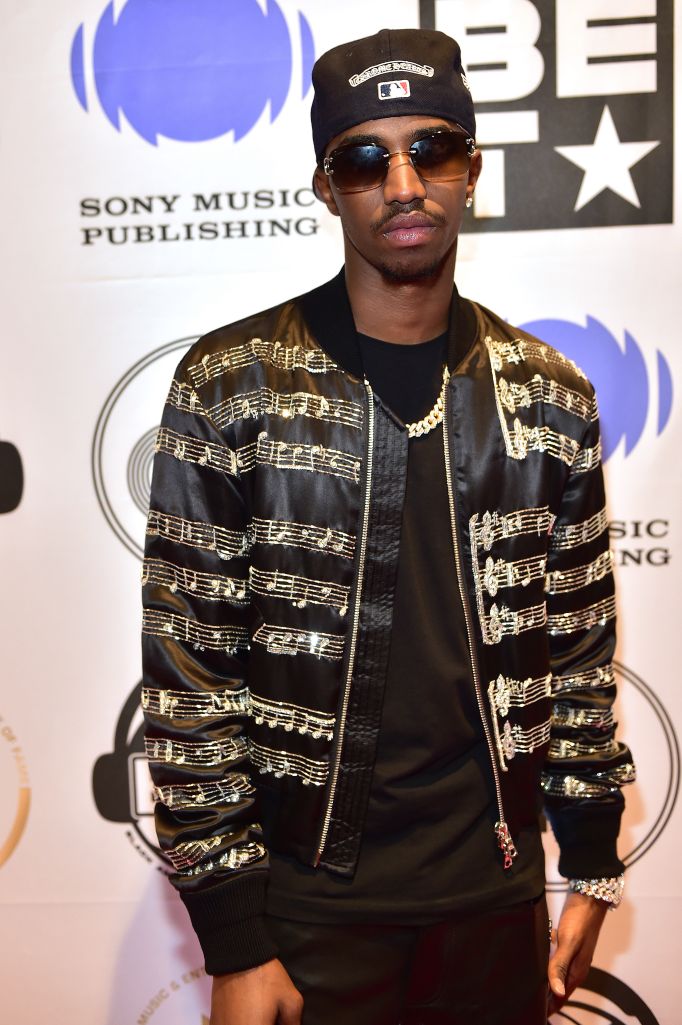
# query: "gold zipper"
(504, 839)
(354, 629)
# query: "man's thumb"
(557, 977)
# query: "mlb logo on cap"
(396, 90)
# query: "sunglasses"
(439, 157)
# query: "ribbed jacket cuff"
(229, 921)
(587, 838)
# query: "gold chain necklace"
(435, 414)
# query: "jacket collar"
(327, 312)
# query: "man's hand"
(577, 934)
(260, 996)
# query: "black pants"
(490, 969)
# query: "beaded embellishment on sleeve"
(609, 890)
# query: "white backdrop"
(110, 163)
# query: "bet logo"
(11, 477)
(625, 389)
(190, 71)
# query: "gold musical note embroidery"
(227, 544)
(503, 621)
(290, 718)
(583, 619)
(519, 350)
(228, 790)
(489, 527)
(310, 771)
(202, 753)
(519, 573)
(562, 581)
(209, 586)
(258, 350)
(315, 458)
(227, 638)
(195, 704)
(299, 590)
(572, 535)
(192, 450)
(539, 389)
(280, 640)
(303, 535)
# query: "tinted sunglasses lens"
(357, 168)
(441, 156)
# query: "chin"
(404, 271)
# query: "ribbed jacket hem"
(229, 921)
(587, 838)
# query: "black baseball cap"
(396, 71)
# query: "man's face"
(406, 227)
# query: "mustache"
(400, 209)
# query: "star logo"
(606, 163)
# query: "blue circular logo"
(190, 71)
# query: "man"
(379, 609)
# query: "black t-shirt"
(428, 846)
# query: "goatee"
(401, 273)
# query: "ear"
(475, 167)
(323, 190)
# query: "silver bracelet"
(609, 890)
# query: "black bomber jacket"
(270, 567)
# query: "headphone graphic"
(113, 783)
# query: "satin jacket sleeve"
(586, 766)
(195, 684)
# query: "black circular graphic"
(669, 786)
(140, 470)
(672, 785)
(121, 460)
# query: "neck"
(404, 312)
